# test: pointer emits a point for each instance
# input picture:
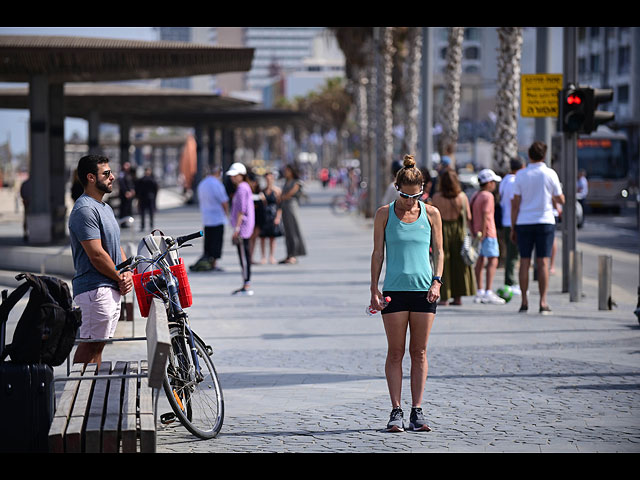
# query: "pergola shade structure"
(79, 59)
(47, 62)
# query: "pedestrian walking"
(76, 187)
(272, 222)
(506, 195)
(259, 203)
(391, 193)
(26, 195)
(582, 189)
(535, 189)
(126, 191)
(95, 245)
(146, 189)
(483, 222)
(404, 230)
(243, 221)
(291, 192)
(213, 203)
(457, 277)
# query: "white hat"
(486, 175)
(237, 169)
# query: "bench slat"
(147, 419)
(110, 439)
(93, 428)
(73, 436)
(63, 410)
(129, 410)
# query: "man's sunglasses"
(406, 195)
(106, 173)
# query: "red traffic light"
(574, 99)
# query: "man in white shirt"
(506, 195)
(534, 189)
(214, 208)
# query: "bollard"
(605, 263)
(575, 267)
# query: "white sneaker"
(516, 290)
(478, 299)
(492, 298)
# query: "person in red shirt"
(482, 220)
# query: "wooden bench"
(111, 409)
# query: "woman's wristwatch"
(437, 278)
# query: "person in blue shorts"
(535, 189)
(483, 222)
(405, 230)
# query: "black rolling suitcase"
(27, 406)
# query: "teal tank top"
(407, 252)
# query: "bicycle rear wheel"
(195, 398)
(340, 204)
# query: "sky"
(14, 123)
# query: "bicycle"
(343, 203)
(191, 382)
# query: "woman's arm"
(438, 251)
(377, 256)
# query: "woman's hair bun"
(409, 161)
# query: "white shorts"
(100, 312)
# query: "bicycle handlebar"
(178, 242)
(126, 263)
(186, 238)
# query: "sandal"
(523, 308)
(290, 260)
(546, 310)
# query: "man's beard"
(103, 187)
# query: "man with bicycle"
(95, 245)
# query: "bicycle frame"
(175, 314)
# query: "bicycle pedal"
(167, 418)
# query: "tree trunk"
(384, 130)
(508, 97)
(414, 59)
(450, 111)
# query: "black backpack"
(47, 329)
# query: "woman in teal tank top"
(405, 230)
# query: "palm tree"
(384, 94)
(413, 79)
(507, 98)
(356, 45)
(450, 110)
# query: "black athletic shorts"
(408, 302)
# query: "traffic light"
(572, 111)
(594, 97)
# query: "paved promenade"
(302, 366)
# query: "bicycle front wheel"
(195, 397)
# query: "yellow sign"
(539, 94)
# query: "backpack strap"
(13, 298)
(8, 304)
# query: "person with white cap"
(242, 219)
(483, 222)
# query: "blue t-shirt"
(91, 220)
(407, 249)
